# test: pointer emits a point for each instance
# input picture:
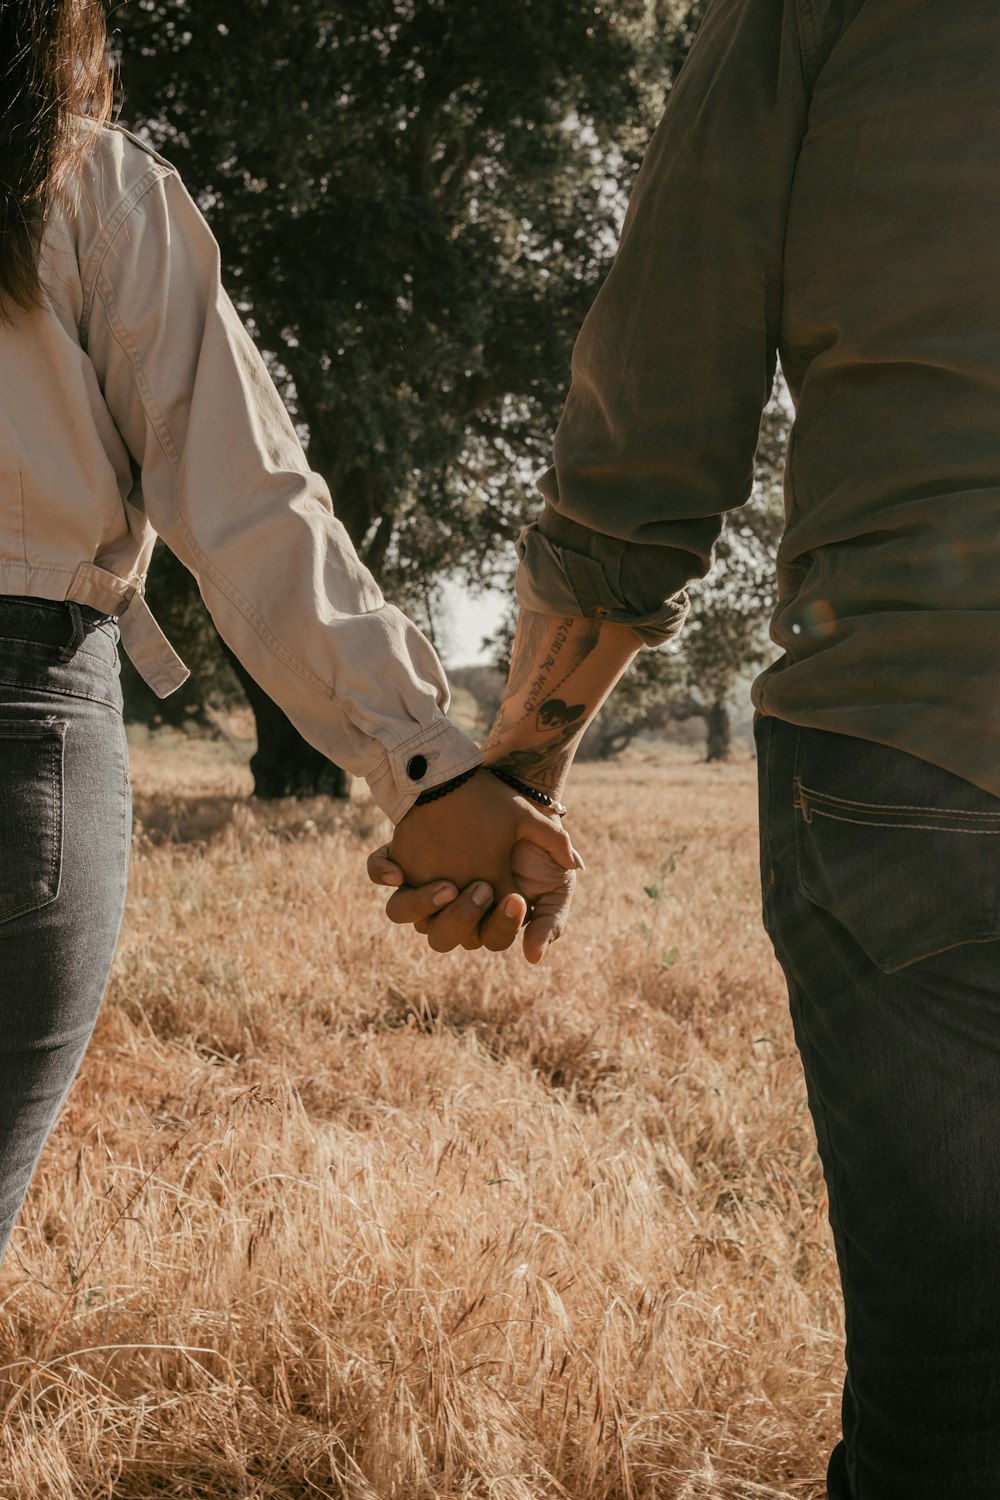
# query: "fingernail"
(578, 860)
(443, 895)
(481, 894)
(512, 906)
(393, 879)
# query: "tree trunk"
(718, 732)
(285, 764)
(183, 708)
(604, 743)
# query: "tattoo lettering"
(528, 643)
(547, 653)
(572, 643)
(546, 665)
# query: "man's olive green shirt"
(825, 185)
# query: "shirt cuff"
(419, 763)
(555, 580)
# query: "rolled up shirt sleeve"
(225, 483)
(569, 570)
(676, 359)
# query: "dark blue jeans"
(881, 878)
(65, 832)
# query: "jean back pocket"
(903, 854)
(31, 814)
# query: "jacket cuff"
(554, 580)
(419, 763)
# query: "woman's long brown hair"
(53, 68)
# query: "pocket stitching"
(924, 827)
(900, 958)
(14, 730)
(824, 803)
(61, 692)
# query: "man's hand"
(447, 917)
(488, 831)
(485, 840)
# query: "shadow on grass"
(207, 818)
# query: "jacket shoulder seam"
(109, 230)
(143, 146)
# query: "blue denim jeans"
(881, 877)
(65, 832)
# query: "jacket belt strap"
(148, 649)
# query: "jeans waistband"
(50, 622)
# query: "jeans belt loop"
(77, 634)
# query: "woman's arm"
(225, 483)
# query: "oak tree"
(416, 201)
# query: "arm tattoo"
(529, 644)
(545, 765)
(568, 650)
(528, 640)
(555, 714)
(548, 651)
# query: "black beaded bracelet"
(542, 798)
(434, 792)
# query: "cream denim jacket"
(135, 404)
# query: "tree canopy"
(416, 201)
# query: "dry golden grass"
(386, 1224)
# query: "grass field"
(330, 1215)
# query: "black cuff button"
(416, 768)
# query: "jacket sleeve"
(676, 358)
(225, 483)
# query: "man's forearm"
(561, 672)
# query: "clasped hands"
(477, 866)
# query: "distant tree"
(640, 704)
(212, 683)
(416, 201)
